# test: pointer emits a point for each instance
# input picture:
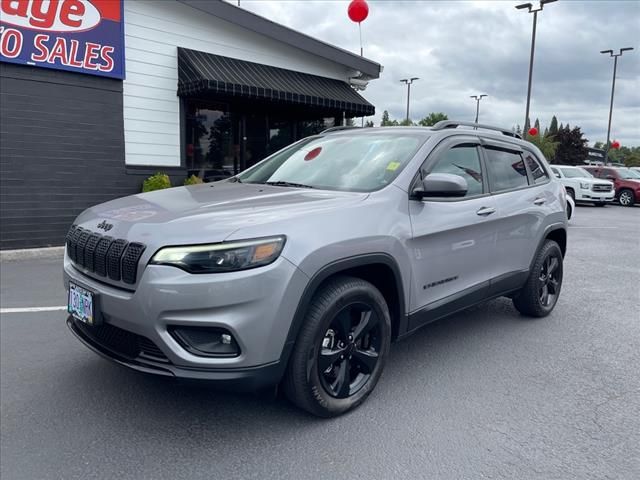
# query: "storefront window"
(223, 139)
(212, 149)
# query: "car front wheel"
(540, 294)
(341, 349)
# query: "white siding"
(153, 31)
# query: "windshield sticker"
(393, 166)
(312, 154)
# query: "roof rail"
(455, 124)
(337, 129)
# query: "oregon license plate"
(81, 304)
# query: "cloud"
(461, 48)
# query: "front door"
(453, 239)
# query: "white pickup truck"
(582, 186)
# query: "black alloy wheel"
(350, 350)
(549, 281)
(341, 349)
(540, 293)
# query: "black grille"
(104, 255)
(100, 257)
(114, 255)
(130, 262)
(122, 342)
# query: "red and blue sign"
(85, 36)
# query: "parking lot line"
(32, 309)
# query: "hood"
(208, 212)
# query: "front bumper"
(256, 306)
(583, 195)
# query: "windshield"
(628, 174)
(356, 162)
(575, 173)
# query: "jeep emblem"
(105, 226)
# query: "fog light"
(205, 341)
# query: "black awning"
(200, 73)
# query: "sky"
(462, 48)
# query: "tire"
(571, 193)
(627, 198)
(336, 363)
(540, 294)
(600, 204)
(569, 211)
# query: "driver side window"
(462, 160)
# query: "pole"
(408, 94)
(477, 109)
(613, 88)
(533, 47)
(360, 30)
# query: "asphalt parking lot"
(485, 394)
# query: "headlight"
(584, 185)
(222, 257)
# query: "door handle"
(539, 201)
(484, 211)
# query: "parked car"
(582, 187)
(304, 268)
(626, 183)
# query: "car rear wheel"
(540, 294)
(627, 198)
(341, 350)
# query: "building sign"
(85, 36)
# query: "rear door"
(521, 186)
(453, 239)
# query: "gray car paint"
(429, 240)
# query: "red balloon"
(615, 145)
(358, 11)
(533, 131)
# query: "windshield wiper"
(288, 184)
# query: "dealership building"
(96, 95)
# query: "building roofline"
(274, 30)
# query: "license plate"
(81, 304)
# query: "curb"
(31, 253)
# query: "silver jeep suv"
(303, 269)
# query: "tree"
(572, 146)
(386, 121)
(368, 123)
(546, 144)
(537, 125)
(553, 128)
(433, 118)
(599, 145)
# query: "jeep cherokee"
(303, 269)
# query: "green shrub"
(193, 180)
(156, 182)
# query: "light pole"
(477, 99)
(535, 11)
(613, 88)
(409, 81)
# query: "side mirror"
(441, 185)
(557, 174)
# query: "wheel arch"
(380, 269)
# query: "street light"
(477, 99)
(613, 87)
(535, 11)
(408, 81)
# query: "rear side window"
(462, 160)
(537, 170)
(506, 170)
